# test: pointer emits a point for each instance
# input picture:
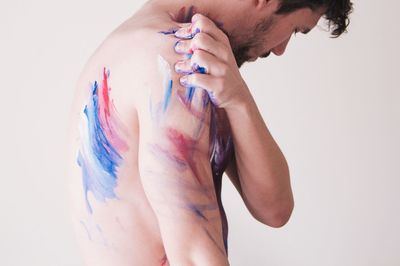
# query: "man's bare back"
(148, 147)
(114, 220)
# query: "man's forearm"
(262, 168)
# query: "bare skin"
(125, 231)
(145, 214)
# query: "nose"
(280, 49)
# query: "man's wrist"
(243, 103)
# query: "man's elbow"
(277, 218)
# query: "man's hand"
(264, 180)
(211, 64)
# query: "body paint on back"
(164, 260)
(102, 143)
(167, 81)
(180, 155)
(160, 109)
(221, 142)
(183, 146)
(170, 31)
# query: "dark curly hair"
(337, 11)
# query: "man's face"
(272, 34)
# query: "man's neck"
(181, 11)
(226, 17)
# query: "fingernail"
(184, 33)
(195, 17)
(195, 31)
(187, 32)
(180, 67)
(178, 47)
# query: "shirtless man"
(147, 147)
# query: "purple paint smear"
(220, 150)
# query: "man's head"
(265, 26)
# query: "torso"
(122, 228)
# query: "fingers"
(205, 82)
(203, 42)
(201, 62)
(206, 25)
(201, 23)
(208, 54)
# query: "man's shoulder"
(148, 57)
(144, 42)
(134, 56)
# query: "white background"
(332, 106)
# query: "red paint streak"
(185, 147)
(164, 261)
(106, 99)
(109, 121)
(201, 115)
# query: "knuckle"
(226, 38)
(195, 56)
(207, 23)
(198, 54)
(223, 69)
(199, 38)
(202, 21)
(225, 54)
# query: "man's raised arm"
(175, 170)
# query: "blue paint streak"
(190, 93)
(102, 148)
(97, 158)
(199, 209)
(205, 100)
(167, 96)
(199, 69)
(198, 212)
(169, 31)
(87, 230)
